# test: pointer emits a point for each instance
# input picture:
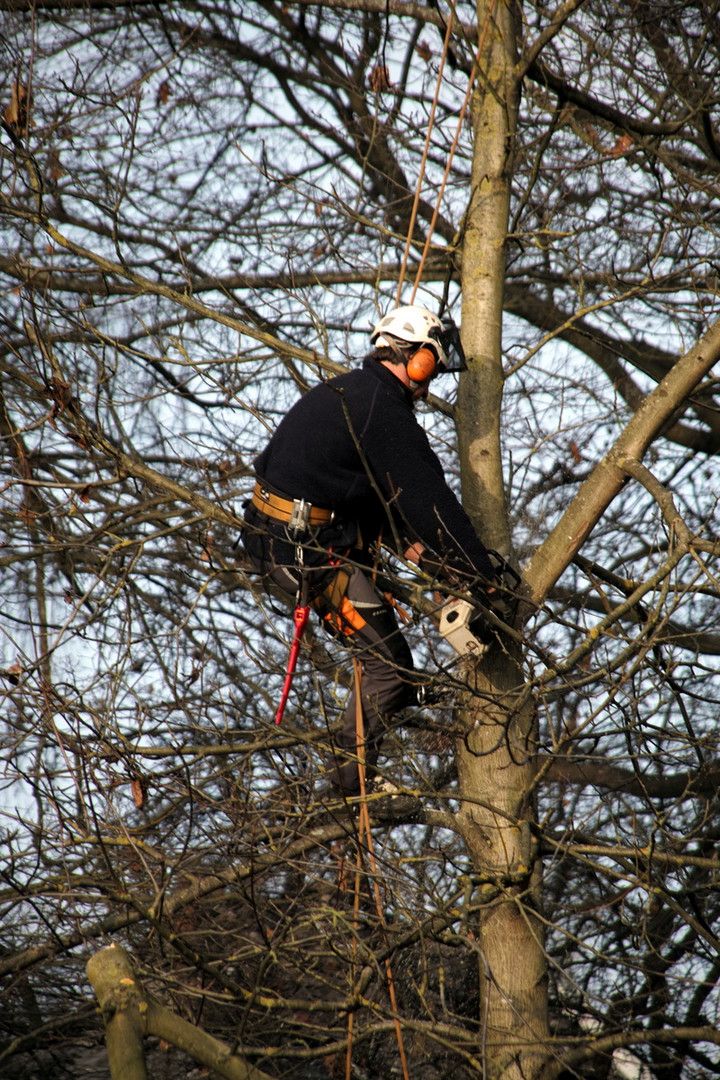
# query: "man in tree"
(350, 468)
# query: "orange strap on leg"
(345, 618)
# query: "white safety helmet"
(412, 325)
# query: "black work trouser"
(366, 624)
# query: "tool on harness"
(300, 619)
(331, 597)
(299, 517)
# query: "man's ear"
(421, 365)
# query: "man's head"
(416, 338)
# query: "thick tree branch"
(608, 478)
(608, 777)
(130, 1014)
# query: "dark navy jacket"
(353, 445)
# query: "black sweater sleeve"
(412, 482)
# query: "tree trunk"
(496, 756)
(493, 110)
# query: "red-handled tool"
(301, 618)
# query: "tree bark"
(122, 1005)
(130, 1014)
(493, 109)
(496, 755)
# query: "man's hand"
(415, 553)
(438, 570)
(501, 596)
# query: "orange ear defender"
(421, 365)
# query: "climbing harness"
(297, 514)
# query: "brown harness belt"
(280, 509)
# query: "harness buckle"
(299, 516)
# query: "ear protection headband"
(422, 365)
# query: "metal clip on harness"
(299, 517)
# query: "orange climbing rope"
(426, 148)
(453, 148)
(451, 155)
(365, 835)
(364, 830)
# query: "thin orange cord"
(453, 148)
(360, 754)
(365, 832)
(426, 149)
(353, 966)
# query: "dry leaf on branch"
(138, 793)
(380, 79)
(17, 113)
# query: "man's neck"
(417, 390)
